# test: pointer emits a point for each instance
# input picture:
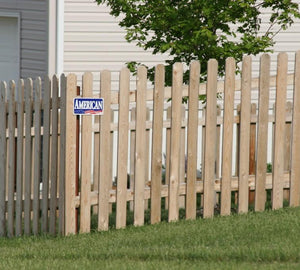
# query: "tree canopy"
(202, 29)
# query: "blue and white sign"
(88, 106)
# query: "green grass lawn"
(269, 240)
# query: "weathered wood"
(70, 156)
(210, 139)
(37, 156)
(295, 157)
(54, 157)
(63, 154)
(19, 172)
(3, 158)
(105, 174)
(262, 133)
(175, 142)
(86, 159)
(140, 147)
(244, 136)
(192, 136)
(123, 123)
(278, 163)
(11, 159)
(227, 136)
(46, 152)
(157, 131)
(28, 156)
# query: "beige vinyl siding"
(93, 41)
(33, 34)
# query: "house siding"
(33, 34)
(93, 41)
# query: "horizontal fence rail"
(149, 157)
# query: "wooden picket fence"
(58, 171)
(32, 154)
(134, 155)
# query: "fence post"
(20, 151)
(210, 139)
(11, 159)
(156, 162)
(140, 147)
(28, 155)
(227, 137)
(70, 156)
(244, 136)
(46, 152)
(123, 125)
(54, 156)
(86, 162)
(262, 133)
(192, 138)
(175, 142)
(281, 86)
(105, 154)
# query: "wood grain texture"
(175, 142)
(262, 133)
(192, 140)
(11, 159)
(105, 174)
(123, 123)
(37, 156)
(28, 155)
(70, 156)
(227, 136)
(210, 139)
(62, 155)
(157, 132)
(20, 152)
(244, 136)
(54, 157)
(86, 158)
(46, 152)
(279, 139)
(140, 147)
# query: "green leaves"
(199, 29)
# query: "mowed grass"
(269, 240)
